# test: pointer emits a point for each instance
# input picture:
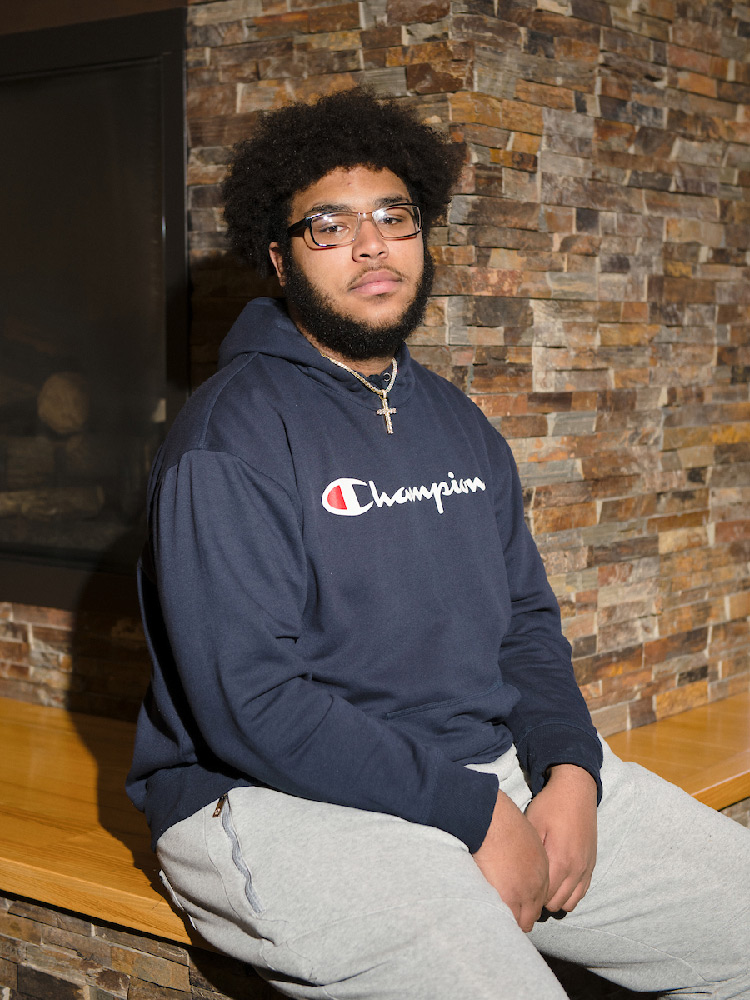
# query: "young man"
(366, 764)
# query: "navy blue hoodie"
(339, 613)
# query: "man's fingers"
(568, 896)
(526, 917)
(576, 896)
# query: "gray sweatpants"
(327, 901)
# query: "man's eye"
(330, 226)
(395, 217)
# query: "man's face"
(360, 300)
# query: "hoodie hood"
(264, 327)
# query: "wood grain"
(70, 837)
(706, 751)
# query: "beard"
(357, 340)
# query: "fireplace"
(93, 316)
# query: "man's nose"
(369, 241)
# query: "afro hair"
(295, 146)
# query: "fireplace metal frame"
(161, 34)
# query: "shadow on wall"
(220, 288)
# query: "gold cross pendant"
(385, 413)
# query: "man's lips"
(376, 282)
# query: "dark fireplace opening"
(93, 325)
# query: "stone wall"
(48, 954)
(85, 660)
(592, 296)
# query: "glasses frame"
(309, 219)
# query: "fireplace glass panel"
(83, 301)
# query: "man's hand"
(564, 816)
(514, 862)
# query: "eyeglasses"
(338, 229)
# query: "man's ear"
(278, 262)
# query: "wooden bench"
(705, 750)
(71, 839)
(70, 836)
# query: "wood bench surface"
(70, 837)
(705, 750)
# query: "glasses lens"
(398, 221)
(333, 229)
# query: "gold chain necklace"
(386, 411)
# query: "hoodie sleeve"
(230, 568)
(550, 723)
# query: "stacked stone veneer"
(592, 296)
(48, 954)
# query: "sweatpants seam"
(332, 996)
(654, 951)
(265, 944)
(603, 875)
(500, 905)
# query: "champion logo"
(342, 497)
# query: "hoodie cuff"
(560, 743)
(463, 804)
